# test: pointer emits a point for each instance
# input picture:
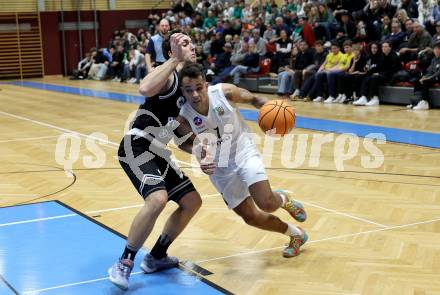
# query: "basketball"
(278, 115)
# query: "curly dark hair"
(191, 70)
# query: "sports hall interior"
(66, 205)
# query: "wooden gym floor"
(372, 231)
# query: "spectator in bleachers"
(223, 60)
(431, 77)
(402, 18)
(390, 65)
(281, 26)
(217, 45)
(237, 12)
(116, 68)
(198, 21)
(409, 26)
(130, 42)
(323, 23)
(108, 52)
(201, 57)
(236, 44)
(207, 44)
(294, 70)
(303, 31)
(84, 66)
(183, 5)
(100, 66)
(259, 25)
(228, 11)
(136, 69)
(349, 83)
(331, 63)
(436, 12)
(202, 7)
(210, 21)
(418, 40)
(259, 42)
(246, 15)
(425, 11)
(396, 37)
(154, 55)
(386, 8)
(304, 82)
(269, 33)
(251, 64)
(219, 27)
(283, 51)
(341, 69)
(227, 29)
(433, 18)
(436, 37)
(237, 58)
(346, 29)
(362, 69)
(385, 29)
(185, 20)
(410, 6)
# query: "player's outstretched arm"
(182, 130)
(240, 95)
(161, 78)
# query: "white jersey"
(238, 162)
(228, 135)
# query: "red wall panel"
(51, 38)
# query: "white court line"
(324, 239)
(251, 252)
(117, 145)
(73, 284)
(27, 138)
(88, 213)
(338, 212)
(38, 219)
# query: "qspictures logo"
(292, 150)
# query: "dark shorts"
(149, 172)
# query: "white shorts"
(234, 186)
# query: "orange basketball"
(277, 114)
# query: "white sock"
(292, 230)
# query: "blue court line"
(72, 255)
(421, 138)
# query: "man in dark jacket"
(250, 64)
(370, 86)
(397, 35)
(223, 60)
(292, 73)
(423, 85)
(308, 74)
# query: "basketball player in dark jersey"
(146, 161)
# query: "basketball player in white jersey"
(230, 157)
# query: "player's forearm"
(155, 81)
(186, 146)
